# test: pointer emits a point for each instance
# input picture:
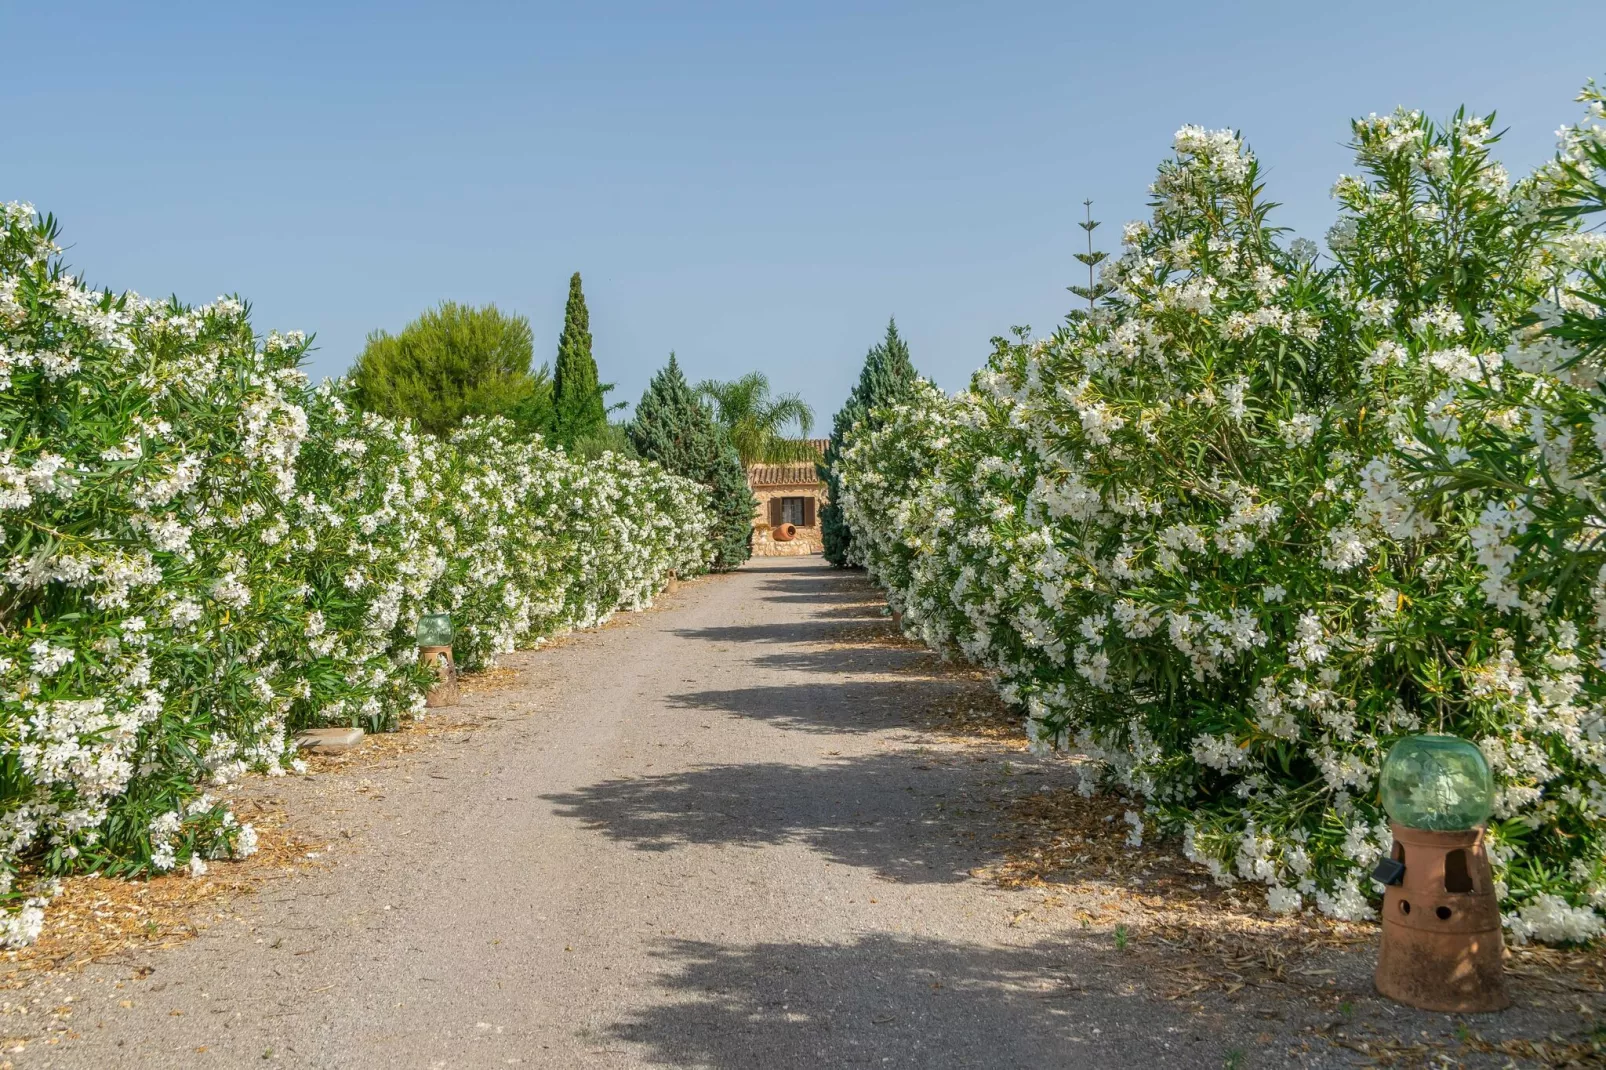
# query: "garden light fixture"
(1441, 920)
(435, 653)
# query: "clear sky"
(752, 185)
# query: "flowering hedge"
(1257, 516)
(203, 552)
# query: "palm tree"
(757, 422)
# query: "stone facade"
(791, 493)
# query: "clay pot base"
(444, 692)
(1442, 945)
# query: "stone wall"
(771, 481)
(808, 540)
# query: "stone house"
(790, 497)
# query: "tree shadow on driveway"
(854, 611)
(800, 568)
(852, 598)
(907, 819)
(856, 658)
(822, 587)
(885, 999)
(854, 706)
(791, 631)
(835, 625)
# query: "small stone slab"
(328, 740)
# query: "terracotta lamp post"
(1441, 921)
(435, 653)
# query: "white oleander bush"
(364, 529)
(1263, 512)
(203, 552)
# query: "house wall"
(808, 540)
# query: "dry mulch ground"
(97, 919)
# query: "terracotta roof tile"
(775, 475)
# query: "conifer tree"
(578, 409)
(733, 506)
(886, 379)
(673, 427)
(1095, 288)
(453, 361)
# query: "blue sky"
(751, 185)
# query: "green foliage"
(732, 505)
(203, 552)
(453, 362)
(578, 411)
(1580, 317)
(533, 413)
(1095, 291)
(1249, 521)
(758, 422)
(886, 379)
(611, 437)
(673, 427)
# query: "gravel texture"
(719, 833)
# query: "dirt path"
(715, 834)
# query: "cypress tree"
(577, 405)
(887, 375)
(673, 427)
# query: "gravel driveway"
(713, 834)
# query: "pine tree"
(451, 362)
(673, 427)
(887, 375)
(1095, 289)
(578, 409)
